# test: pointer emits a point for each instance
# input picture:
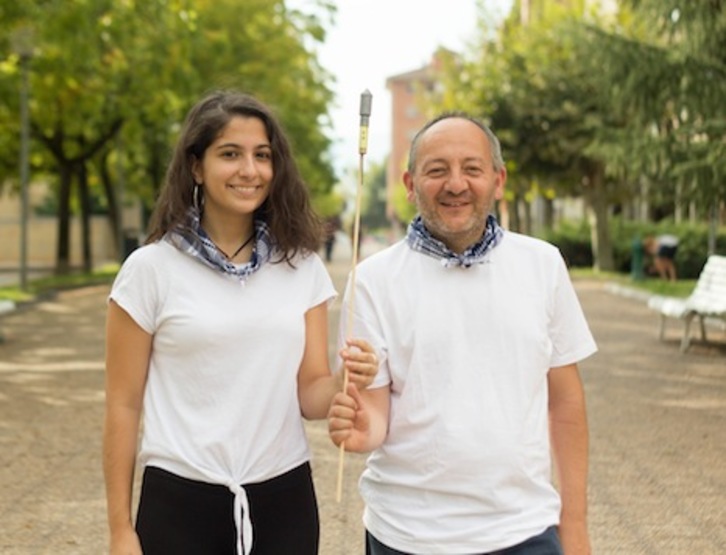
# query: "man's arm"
(569, 438)
(359, 418)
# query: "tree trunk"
(549, 213)
(602, 247)
(63, 249)
(55, 143)
(712, 227)
(114, 208)
(85, 203)
(514, 219)
(503, 214)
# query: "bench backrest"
(709, 295)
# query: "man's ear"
(501, 180)
(408, 183)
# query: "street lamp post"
(22, 43)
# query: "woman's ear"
(197, 173)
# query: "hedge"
(573, 240)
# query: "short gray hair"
(495, 146)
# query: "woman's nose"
(246, 165)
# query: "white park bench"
(707, 301)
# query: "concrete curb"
(628, 292)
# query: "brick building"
(407, 117)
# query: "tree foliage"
(668, 75)
(589, 104)
(374, 199)
(111, 81)
(541, 96)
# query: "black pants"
(185, 517)
(547, 543)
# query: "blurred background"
(612, 114)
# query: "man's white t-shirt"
(465, 467)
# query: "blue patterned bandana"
(420, 240)
(194, 241)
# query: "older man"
(478, 332)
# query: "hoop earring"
(197, 197)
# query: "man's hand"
(360, 361)
(348, 420)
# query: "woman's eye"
(264, 155)
(230, 154)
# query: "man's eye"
(436, 172)
(473, 170)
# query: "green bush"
(573, 239)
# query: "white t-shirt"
(465, 467)
(221, 402)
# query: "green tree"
(374, 197)
(529, 80)
(111, 82)
(668, 74)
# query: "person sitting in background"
(663, 250)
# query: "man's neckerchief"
(420, 240)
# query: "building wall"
(406, 120)
(42, 234)
(407, 117)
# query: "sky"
(376, 39)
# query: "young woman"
(217, 329)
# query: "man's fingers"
(362, 344)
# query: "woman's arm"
(128, 349)
(316, 385)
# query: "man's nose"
(456, 183)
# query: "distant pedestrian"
(331, 227)
(217, 331)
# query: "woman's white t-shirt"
(221, 404)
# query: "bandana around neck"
(420, 240)
(194, 241)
